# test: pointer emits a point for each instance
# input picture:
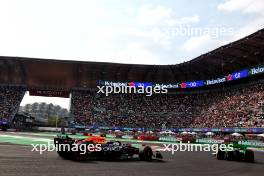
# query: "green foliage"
(60, 121)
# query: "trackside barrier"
(127, 137)
(252, 143)
(209, 141)
(170, 139)
(50, 129)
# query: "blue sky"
(126, 31)
(138, 31)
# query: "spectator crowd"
(10, 99)
(237, 107)
(232, 107)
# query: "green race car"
(238, 153)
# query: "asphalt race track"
(17, 160)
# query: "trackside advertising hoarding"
(3, 122)
(190, 84)
(203, 130)
(252, 143)
(257, 70)
(209, 141)
(215, 81)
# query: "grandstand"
(222, 88)
(239, 107)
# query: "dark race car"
(96, 148)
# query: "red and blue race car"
(97, 148)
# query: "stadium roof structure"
(43, 73)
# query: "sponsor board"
(209, 141)
(170, 139)
(216, 81)
(252, 143)
(257, 70)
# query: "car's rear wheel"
(237, 155)
(146, 154)
(249, 156)
(77, 156)
(80, 154)
(230, 156)
(64, 155)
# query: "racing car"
(239, 153)
(100, 149)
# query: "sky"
(63, 102)
(124, 31)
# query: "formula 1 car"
(239, 153)
(97, 148)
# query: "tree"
(59, 120)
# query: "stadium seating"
(10, 98)
(236, 107)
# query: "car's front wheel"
(146, 154)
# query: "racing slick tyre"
(81, 155)
(230, 156)
(77, 156)
(146, 154)
(220, 155)
(64, 155)
(237, 155)
(249, 156)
